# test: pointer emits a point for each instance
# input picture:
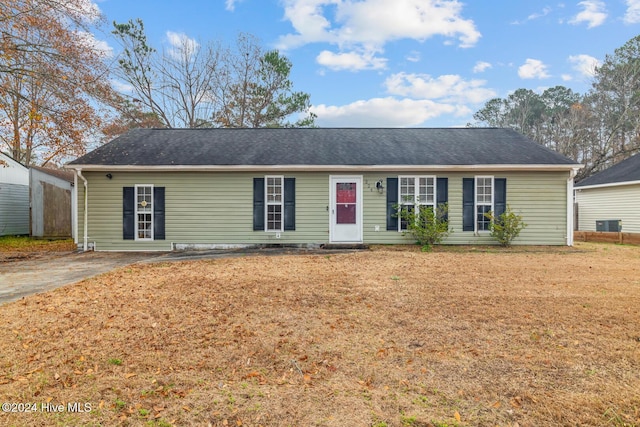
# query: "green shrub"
(506, 227)
(425, 226)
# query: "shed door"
(346, 209)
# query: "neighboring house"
(50, 195)
(164, 189)
(611, 198)
(14, 197)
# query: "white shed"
(14, 197)
(610, 200)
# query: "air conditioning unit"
(614, 225)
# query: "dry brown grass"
(380, 338)
(14, 248)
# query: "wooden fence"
(607, 237)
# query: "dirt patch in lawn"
(14, 249)
(377, 338)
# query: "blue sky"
(404, 63)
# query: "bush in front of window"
(427, 227)
(506, 227)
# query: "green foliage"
(197, 85)
(506, 227)
(120, 404)
(115, 361)
(32, 244)
(407, 421)
(424, 225)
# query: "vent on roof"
(614, 225)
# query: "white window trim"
(476, 204)
(267, 204)
(416, 195)
(135, 200)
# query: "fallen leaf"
(130, 375)
(496, 404)
(456, 415)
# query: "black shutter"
(289, 203)
(128, 213)
(258, 204)
(392, 202)
(442, 194)
(158, 213)
(500, 196)
(468, 192)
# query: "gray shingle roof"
(322, 146)
(625, 171)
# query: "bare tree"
(53, 78)
(191, 85)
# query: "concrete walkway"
(43, 272)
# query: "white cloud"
(632, 16)
(584, 64)
(594, 13)
(447, 88)
(384, 112)
(481, 66)
(413, 56)
(545, 12)
(370, 24)
(566, 77)
(351, 61)
(533, 69)
(100, 47)
(534, 16)
(121, 86)
(82, 10)
(181, 46)
(230, 5)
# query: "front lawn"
(377, 338)
(29, 244)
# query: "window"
(484, 202)
(416, 193)
(481, 195)
(144, 212)
(274, 203)
(274, 190)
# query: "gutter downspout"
(86, 210)
(74, 210)
(570, 205)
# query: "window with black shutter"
(143, 213)
(274, 204)
(481, 195)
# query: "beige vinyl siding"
(609, 203)
(540, 197)
(202, 208)
(214, 208)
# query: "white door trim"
(334, 231)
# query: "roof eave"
(608, 184)
(324, 168)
